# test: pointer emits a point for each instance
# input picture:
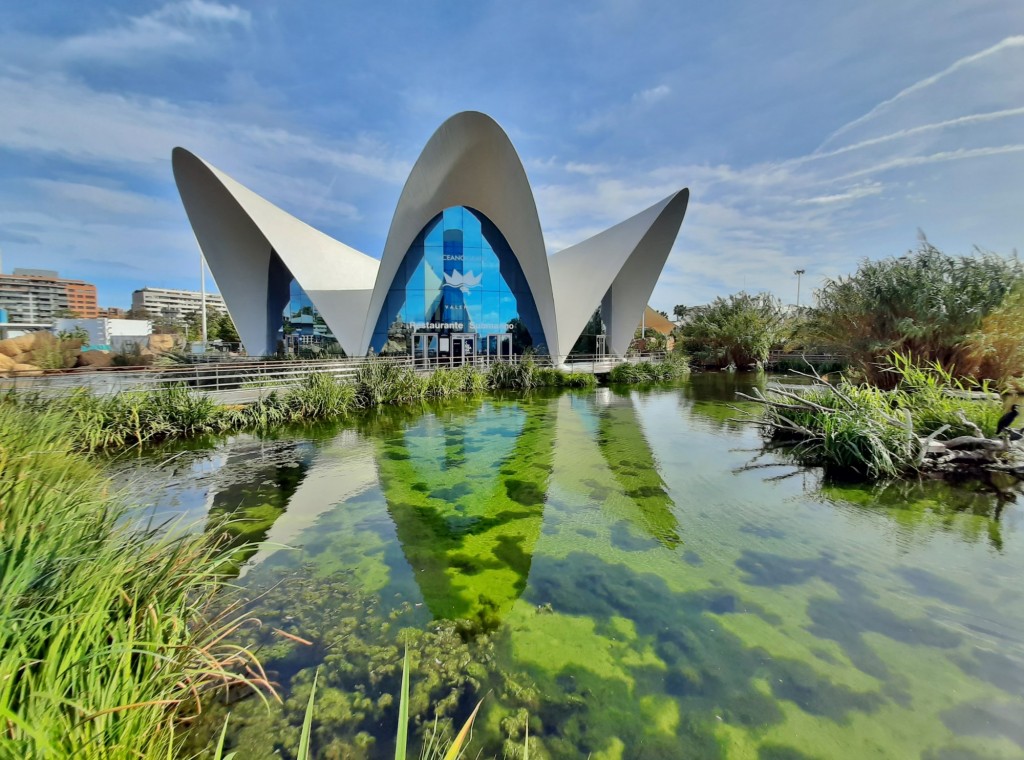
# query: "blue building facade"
(459, 290)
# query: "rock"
(6, 362)
(161, 343)
(26, 370)
(7, 348)
(95, 359)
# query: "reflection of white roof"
(469, 161)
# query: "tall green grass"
(104, 640)
(872, 432)
(138, 417)
(649, 372)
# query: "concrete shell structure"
(254, 249)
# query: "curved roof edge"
(237, 231)
(470, 161)
(613, 267)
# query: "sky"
(812, 135)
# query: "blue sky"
(811, 135)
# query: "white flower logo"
(463, 282)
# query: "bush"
(670, 369)
(926, 304)
(738, 330)
(874, 432)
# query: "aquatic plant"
(103, 627)
(518, 376)
(672, 368)
(385, 382)
(878, 433)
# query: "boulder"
(35, 340)
(161, 343)
(95, 359)
(24, 370)
(6, 362)
(8, 347)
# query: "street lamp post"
(799, 273)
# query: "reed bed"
(872, 432)
(104, 640)
(147, 416)
(650, 372)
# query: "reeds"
(872, 432)
(104, 643)
(649, 372)
(145, 416)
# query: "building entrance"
(424, 348)
(500, 346)
(464, 347)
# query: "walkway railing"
(245, 379)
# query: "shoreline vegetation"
(928, 422)
(139, 417)
(107, 640)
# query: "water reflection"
(615, 577)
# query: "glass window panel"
(415, 308)
(472, 236)
(434, 233)
(453, 218)
(471, 261)
(491, 273)
(434, 255)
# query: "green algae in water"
(601, 568)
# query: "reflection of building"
(173, 304)
(464, 269)
(39, 295)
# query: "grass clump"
(104, 641)
(649, 372)
(872, 432)
(385, 382)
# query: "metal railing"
(248, 378)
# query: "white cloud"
(172, 27)
(654, 94)
(966, 61)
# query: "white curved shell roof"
(469, 161)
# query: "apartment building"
(38, 296)
(173, 304)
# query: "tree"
(681, 311)
(738, 330)
(925, 304)
(66, 314)
(223, 328)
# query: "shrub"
(925, 304)
(738, 330)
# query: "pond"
(627, 571)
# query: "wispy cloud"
(654, 94)
(175, 26)
(962, 63)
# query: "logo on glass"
(462, 281)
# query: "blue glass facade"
(301, 323)
(459, 276)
